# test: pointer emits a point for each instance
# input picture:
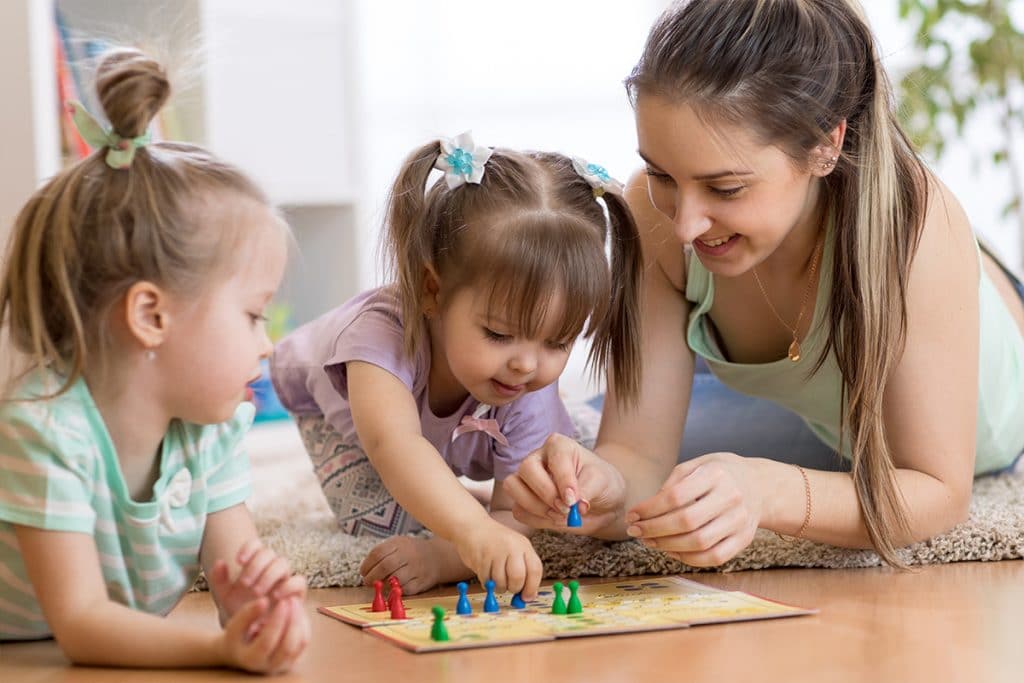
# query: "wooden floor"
(957, 622)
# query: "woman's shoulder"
(661, 247)
(946, 243)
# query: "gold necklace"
(794, 348)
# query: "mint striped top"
(59, 471)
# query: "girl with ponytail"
(795, 242)
(136, 282)
(451, 369)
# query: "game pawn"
(517, 601)
(490, 602)
(574, 518)
(575, 606)
(438, 632)
(463, 606)
(558, 606)
(397, 607)
(378, 597)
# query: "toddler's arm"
(387, 421)
(64, 568)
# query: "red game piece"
(378, 597)
(397, 608)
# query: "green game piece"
(558, 606)
(438, 632)
(575, 606)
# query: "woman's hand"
(558, 474)
(705, 513)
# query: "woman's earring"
(150, 354)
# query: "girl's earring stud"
(150, 354)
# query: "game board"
(609, 607)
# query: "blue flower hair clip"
(462, 160)
(597, 177)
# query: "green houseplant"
(971, 63)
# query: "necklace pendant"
(794, 351)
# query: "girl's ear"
(146, 314)
(431, 292)
(826, 156)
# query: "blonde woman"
(795, 242)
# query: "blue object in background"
(268, 406)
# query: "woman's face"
(734, 199)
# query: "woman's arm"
(930, 402)
(709, 507)
(64, 568)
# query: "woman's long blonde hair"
(92, 231)
(792, 70)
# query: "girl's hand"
(558, 474)
(264, 639)
(705, 513)
(263, 574)
(493, 551)
(415, 562)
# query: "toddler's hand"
(415, 562)
(558, 474)
(264, 639)
(493, 551)
(263, 574)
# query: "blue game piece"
(463, 606)
(517, 601)
(490, 602)
(574, 518)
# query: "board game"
(609, 607)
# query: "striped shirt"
(59, 471)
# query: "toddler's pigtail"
(410, 220)
(618, 338)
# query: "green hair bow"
(120, 151)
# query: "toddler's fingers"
(241, 622)
(219, 577)
(391, 564)
(254, 568)
(247, 550)
(294, 587)
(291, 644)
(267, 640)
(374, 557)
(515, 573)
(534, 575)
(277, 571)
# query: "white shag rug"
(293, 518)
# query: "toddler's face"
(219, 340)
(489, 357)
(731, 197)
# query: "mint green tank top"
(816, 398)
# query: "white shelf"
(265, 85)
